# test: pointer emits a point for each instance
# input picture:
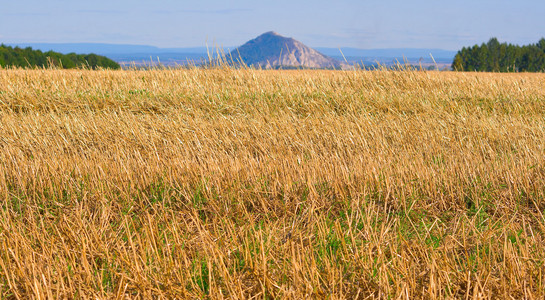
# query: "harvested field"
(225, 183)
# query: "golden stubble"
(223, 183)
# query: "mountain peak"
(271, 50)
(271, 33)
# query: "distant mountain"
(102, 49)
(393, 52)
(126, 53)
(391, 56)
(271, 50)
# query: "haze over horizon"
(366, 25)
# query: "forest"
(30, 58)
(501, 57)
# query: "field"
(225, 183)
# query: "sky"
(365, 24)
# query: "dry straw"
(223, 183)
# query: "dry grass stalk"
(243, 183)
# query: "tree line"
(501, 57)
(29, 58)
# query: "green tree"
(493, 46)
(501, 57)
(458, 63)
(29, 58)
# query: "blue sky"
(347, 23)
